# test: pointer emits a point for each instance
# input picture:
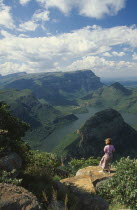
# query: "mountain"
(60, 88)
(127, 82)
(89, 139)
(115, 96)
(43, 118)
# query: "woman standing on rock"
(106, 160)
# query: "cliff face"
(104, 124)
(57, 88)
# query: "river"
(58, 134)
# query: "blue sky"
(67, 35)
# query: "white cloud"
(6, 34)
(34, 22)
(134, 56)
(5, 16)
(28, 26)
(41, 15)
(91, 8)
(114, 53)
(107, 54)
(23, 35)
(103, 67)
(24, 2)
(81, 48)
(119, 54)
(9, 67)
(98, 8)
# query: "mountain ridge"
(58, 88)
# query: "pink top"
(109, 149)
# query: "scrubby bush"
(42, 163)
(7, 177)
(38, 174)
(11, 131)
(122, 187)
(75, 164)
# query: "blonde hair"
(108, 141)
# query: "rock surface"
(10, 161)
(83, 187)
(17, 198)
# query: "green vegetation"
(89, 139)
(42, 117)
(114, 96)
(72, 109)
(75, 164)
(58, 89)
(61, 149)
(122, 188)
(41, 170)
(7, 177)
(12, 129)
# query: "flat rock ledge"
(83, 187)
(13, 197)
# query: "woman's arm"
(105, 149)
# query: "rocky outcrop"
(104, 124)
(17, 198)
(83, 186)
(10, 161)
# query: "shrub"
(122, 187)
(43, 161)
(75, 164)
(7, 177)
(38, 174)
(11, 131)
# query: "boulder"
(10, 161)
(13, 197)
(83, 186)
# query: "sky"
(68, 35)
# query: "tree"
(11, 131)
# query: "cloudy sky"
(67, 35)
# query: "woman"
(105, 162)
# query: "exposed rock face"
(83, 187)
(104, 124)
(17, 198)
(10, 162)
